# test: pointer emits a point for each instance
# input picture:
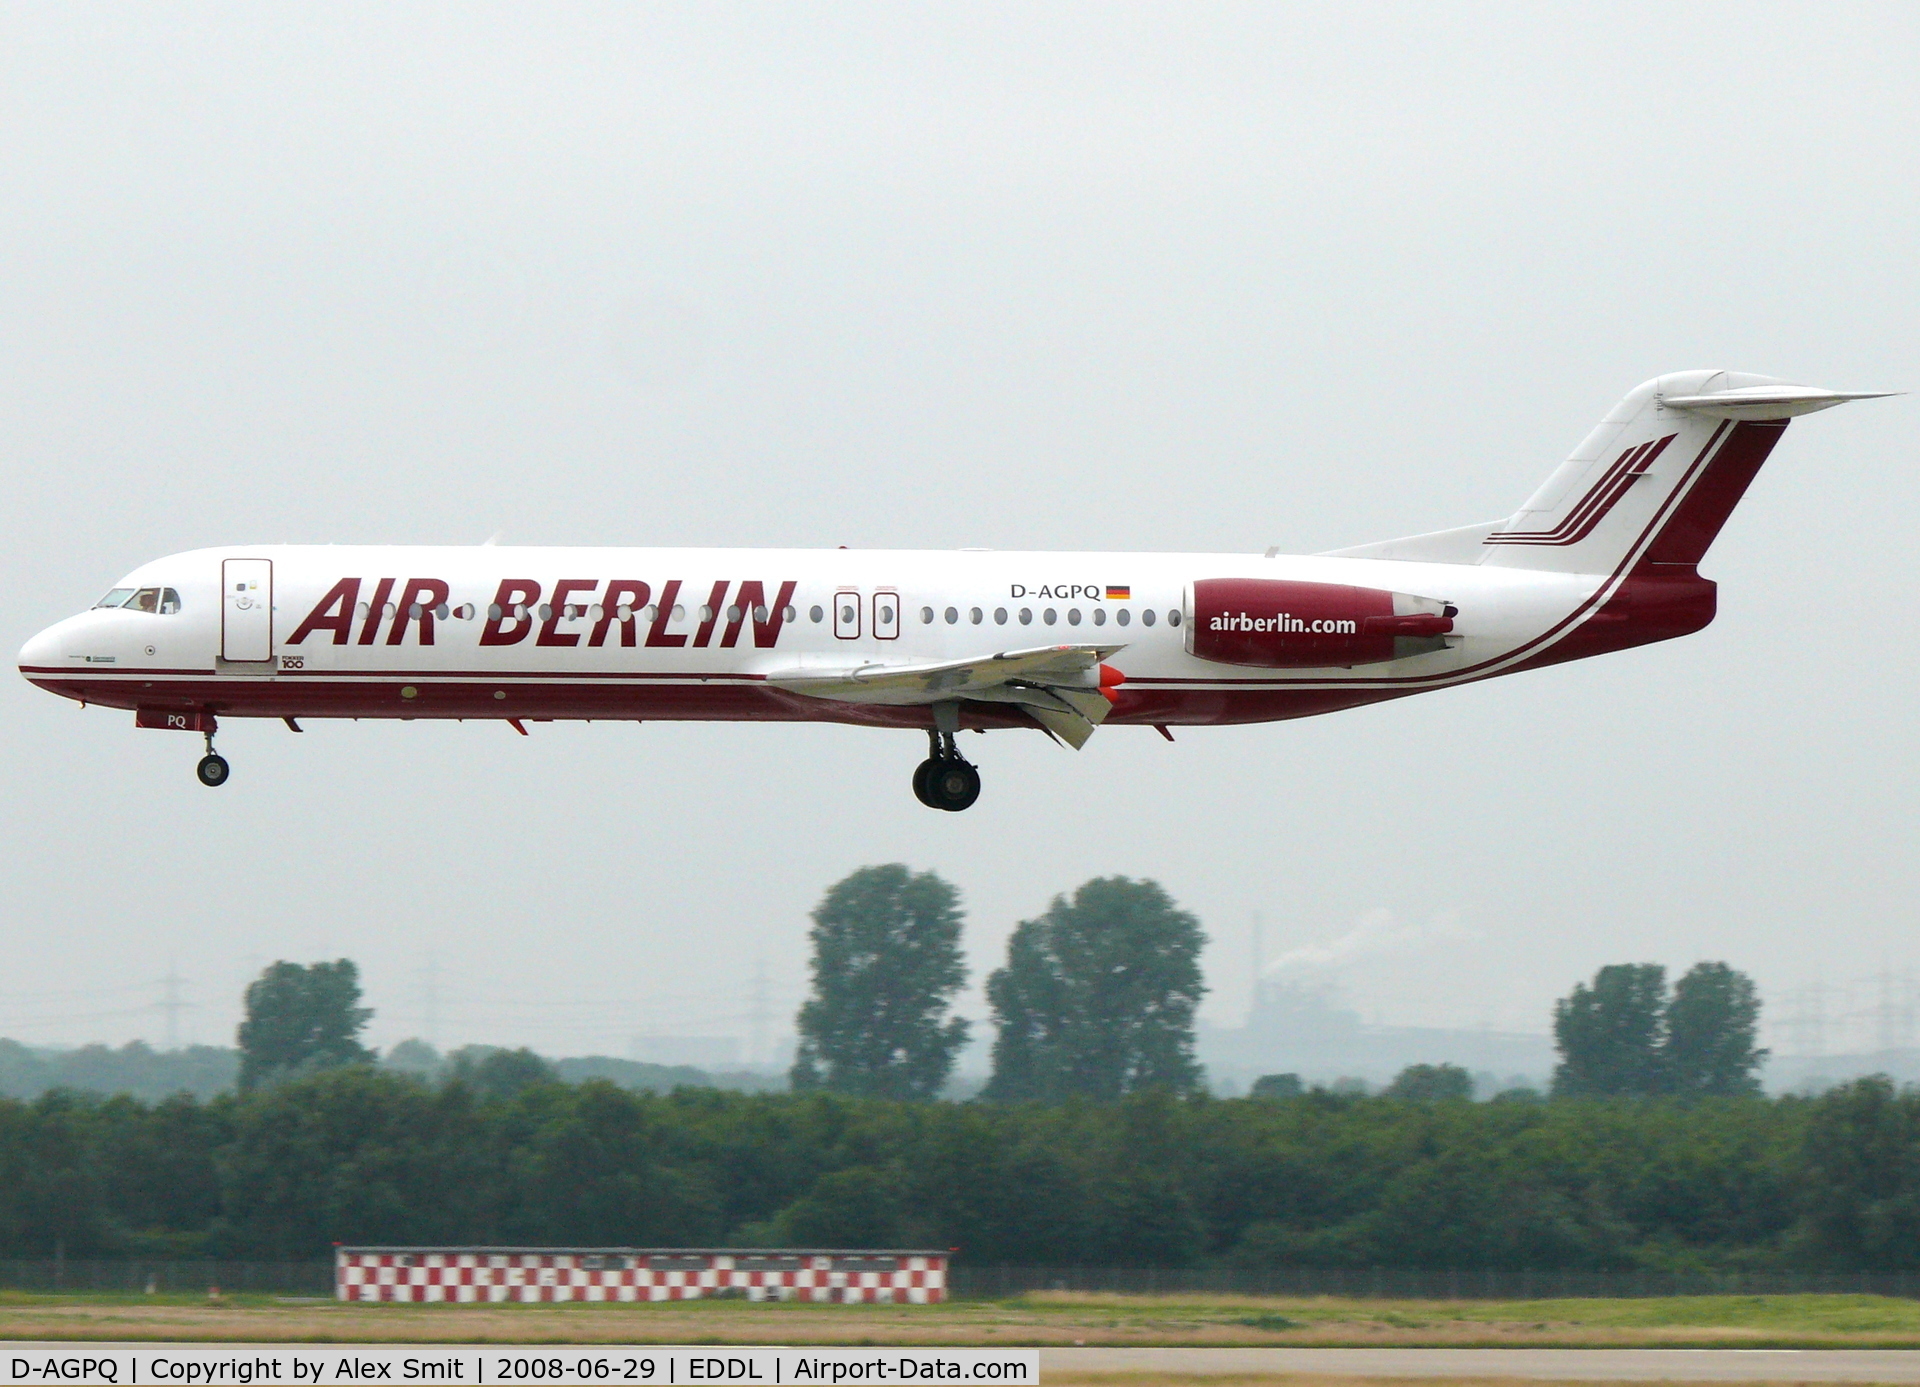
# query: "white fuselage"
(682, 637)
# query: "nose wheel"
(945, 780)
(213, 768)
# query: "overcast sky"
(1182, 277)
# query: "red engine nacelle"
(1277, 624)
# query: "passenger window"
(926, 616)
(953, 616)
(1123, 616)
(1026, 616)
(1099, 616)
(788, 613)
(816, 616)
(1173, 617)
(846, 615)
(1073, 616)
(886, 616)
(1050, 616)
(999, 616)
(115, 598)
(1146, 617)
(975, 614)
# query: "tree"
(856, 1207)
(1859, 1177)
(1627, 1036)
(1276, 1086)
(1609, 1036)
(300, 1019)
(1712, 1021)
(886, 966)
(415, 1057)
(1097, 997)
(1430, 1083)
(492, 1072)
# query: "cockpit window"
(158, 601)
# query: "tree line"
(1096, 1000)
(357, 1153)
(1098, 994)
(1094, 1143)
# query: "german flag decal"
(1118, 594)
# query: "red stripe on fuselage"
(711, 700)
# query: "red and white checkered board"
(473, 1277)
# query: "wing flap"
(930, 683)
(1063, 687)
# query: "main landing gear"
(945, 780)
(213, 767)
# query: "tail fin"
(1659, 476)
(1652, 484)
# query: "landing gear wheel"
(951, 785)
(945, 780)
(212, 769)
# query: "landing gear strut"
(213, 768)
(945, 780)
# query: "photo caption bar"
(470, 1366)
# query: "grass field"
(1043, 1319)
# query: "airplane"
(1604, 556)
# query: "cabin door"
(246, 609)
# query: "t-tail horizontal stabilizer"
(1758, 402)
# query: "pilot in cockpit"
(156, 601)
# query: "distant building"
(1301, 1028)
(1810, 1074)
(700, 1051)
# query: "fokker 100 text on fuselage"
(1603, 556)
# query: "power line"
(171, 1005)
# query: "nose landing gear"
(213, 767)
(945, 780)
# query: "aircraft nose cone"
(42, 652)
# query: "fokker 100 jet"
(1603, 556)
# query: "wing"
(1066, 688)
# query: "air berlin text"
(1285, 625)
(574, 612)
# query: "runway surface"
(1562, 1364)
